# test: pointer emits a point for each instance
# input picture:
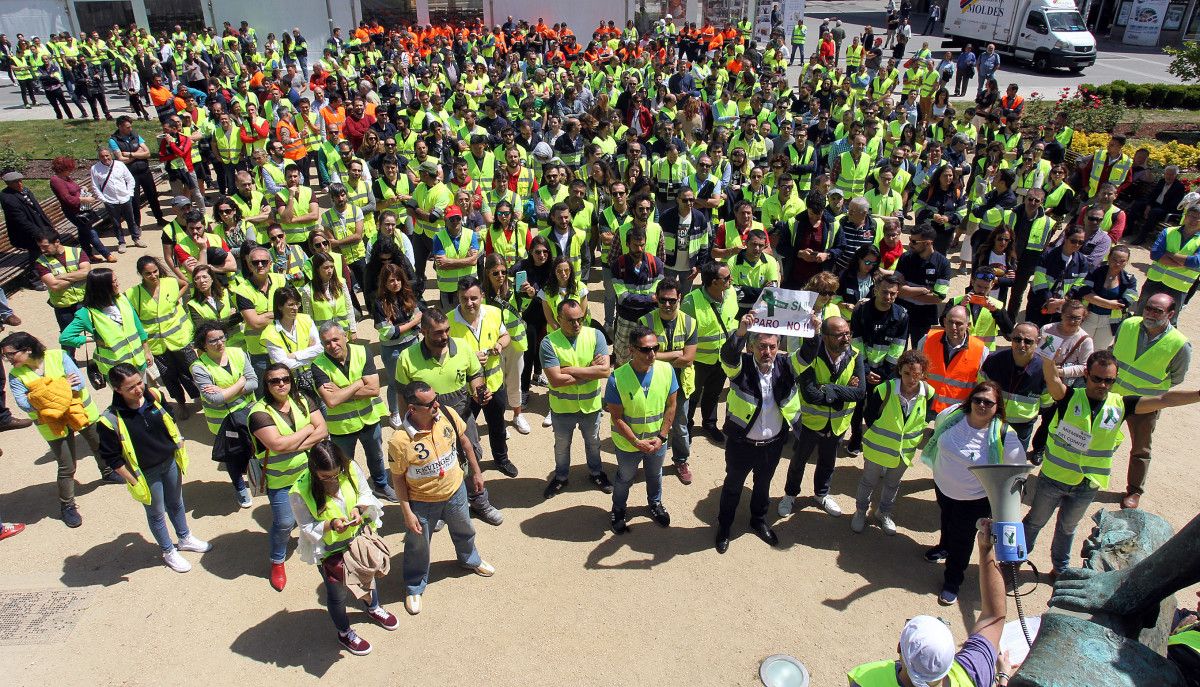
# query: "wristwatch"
(663, 439)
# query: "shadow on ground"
(292, 639)
(111, 562)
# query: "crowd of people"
(519, 212)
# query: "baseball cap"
(926, 649)
(453, 211)
(835, 191)
(429, 167)
(180, 202)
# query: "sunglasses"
(214, 342)
(1023, 340)
(870, 262)
(1103, 381)
(279, 381)
(983, 402)
(432, 404)
(668, 301)
(1076, 242)
(260, 263)
(226, 211)
(646, 349)
(1095, 219)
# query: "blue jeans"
(5, 308)
(627, 467)
(681, 443)
(335, 600)
(564, 425)
(166, 500)
(1071, 502)
(457, 516)
(387, 375)
(282, 522)
(371, 437)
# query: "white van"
(1046, 33)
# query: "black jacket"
(1171, 200)
(875, 328)
(835, 396)
(700, 226)
(783, 382)
(23, 216)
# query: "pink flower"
(1034, 94)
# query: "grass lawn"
(46, 139)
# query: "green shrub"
(1158, 95)
(1116, 91)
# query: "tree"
(1186, 62)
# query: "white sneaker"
(886, 523)
(484, 569)
(176, 562)
(507, 434)
(439, 525)
(245, 500)
(785, 505)
(395, 420)
(412, 604)
(547, 421)
(859, 522)
(191, 543)
(830, 506)
(521, 424)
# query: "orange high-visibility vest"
(954, 383)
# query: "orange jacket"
(296, 150)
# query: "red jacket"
(169, 150)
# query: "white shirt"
(304, 355)
(963, 446)
(119, 187)
(682, 261)
(769, 422)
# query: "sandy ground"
(570, 603)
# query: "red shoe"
(383, 618)
(354, 644)
(683, 472)
(278, 576)
(10, 529)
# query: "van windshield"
(1065, 21)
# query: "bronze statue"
(1109, 621)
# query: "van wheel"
(1040, 62)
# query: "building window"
(447, 11)
(390, 13)
(100, 16)
(165, 15)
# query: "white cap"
(1188, 201)
(543, 152)
(926, 649)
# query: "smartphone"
(977, 299)
(522, 278)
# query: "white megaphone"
(1003, 486)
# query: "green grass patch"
(47, 139)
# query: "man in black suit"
(1163, 199)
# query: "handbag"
(94, 375)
